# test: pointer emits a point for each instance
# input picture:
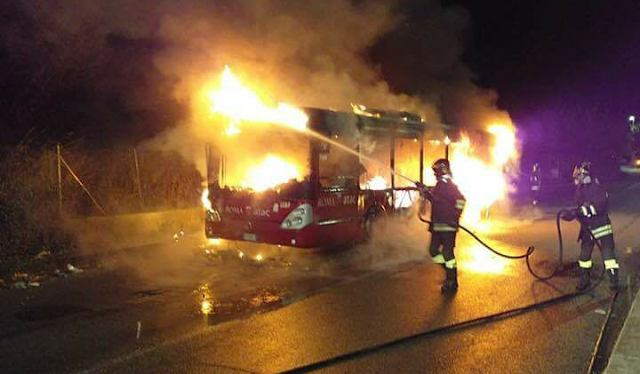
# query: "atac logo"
(327, 201)
(350, 200)
(234, 209)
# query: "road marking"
(105, 365)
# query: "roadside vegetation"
(33, 237)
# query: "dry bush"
(28, 208)
(167, 181)
(29, 215)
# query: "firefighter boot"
(614, 282)
(585, 279)
(451, 283)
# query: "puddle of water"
(207, 304)
(265, 297)
(568, 270)
(148, 293)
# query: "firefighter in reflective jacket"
(535, 180)
(447, 204)
(592, 213)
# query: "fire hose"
(488, 318)
(531, 249)
(480, 320)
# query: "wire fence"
(76, 181)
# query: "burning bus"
(321, 185)
(313, 177)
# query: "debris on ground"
(20, 285)
(42, 255)
(177, 236)
(33, 284)
(266, 296)
(20, 276)
(74, 269)
(60, 274)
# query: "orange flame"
(482, 183)
(205, 200)
(272, 172)
(377, 183)
(238, 102)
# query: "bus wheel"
(370, 221)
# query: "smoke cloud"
(157, 56)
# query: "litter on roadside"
(74, 269)
(43, 254)
(19, 275)
(59, 273)
(20, 285)
(177, 236)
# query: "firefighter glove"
(586, 211)
(425, 191)
(569, 215)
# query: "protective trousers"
(446, 240)
(608, 255)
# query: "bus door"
(338, 214)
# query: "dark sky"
(567, 71)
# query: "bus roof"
(376, 122)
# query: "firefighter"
(535, 181)
(447, 204)
(592, 213)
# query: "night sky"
(566, 72)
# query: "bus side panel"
(338, 217)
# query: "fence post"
(59, 179)
(138, 182)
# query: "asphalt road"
(176, 308)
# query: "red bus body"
(323, 210)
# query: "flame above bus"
(239, 103)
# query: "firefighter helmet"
(536, 168)
(582, 173)
(441, 167)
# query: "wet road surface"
(177, 308)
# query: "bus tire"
(372, 217)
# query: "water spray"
(526, 256)
(356, 153)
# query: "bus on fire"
(277, 185)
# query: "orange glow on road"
(478, 259)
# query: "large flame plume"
(483, 182)
(239, 103)
(270, 173)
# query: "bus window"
(338, 169)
